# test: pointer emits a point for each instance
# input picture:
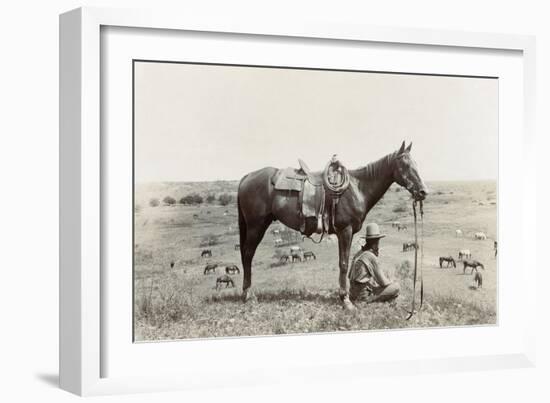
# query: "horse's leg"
(254, 235)
(344, 246)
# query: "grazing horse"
(449, 260)
(206, 253)
(458, 233)
(224, 279)
(259, 204)
(407, 246)
(284, 258)
(309, 255)
(395, 224)
(210, 267)
(464, 254)
(296, 253)
(474, 264)
(237, 246)
(480, 236)
(401, 227)
(232, 269)
(478, 279)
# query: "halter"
(411, 313)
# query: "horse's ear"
(409, 147)
(402, 149)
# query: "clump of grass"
(210, 240)
(167, 299)
(404, 270)
(400, 208)
(143, 256)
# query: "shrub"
(169, 200)
(154, 202)
(193, 198)
(225, 199)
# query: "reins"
(411, 313)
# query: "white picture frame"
(82, 176)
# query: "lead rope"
(411, 313)
(421, 253)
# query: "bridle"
(421, 208)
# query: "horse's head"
(406, 173)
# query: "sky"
(202, 122)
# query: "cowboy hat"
(373, 232)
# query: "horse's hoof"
(248, 296)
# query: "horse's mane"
(376, 168)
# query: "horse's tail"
(242, 226)
(483, 267)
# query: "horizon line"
(237, 180)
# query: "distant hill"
(146, 191)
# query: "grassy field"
(181, 302)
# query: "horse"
(172, 263)
(237, 246)
(395, 224)
(480, 236)
(478, 279)
(458, 233)
(401, 227)
(449, 260)
(495, 247)
(196, 216)
(474, 264)
(464, 253)
(278, 242)
(206, 253)
(224, 279)
(284, 258)
(309, 255)
(232, 269)
(407, 246)
(296, 253)
(210, 267)
(259, 204)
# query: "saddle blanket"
(288, 179)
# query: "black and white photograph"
(271, 200)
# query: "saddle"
(315, 190)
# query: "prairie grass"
(181, 302)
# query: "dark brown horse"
(259, 204)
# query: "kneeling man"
(367, 281)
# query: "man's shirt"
(365, 270)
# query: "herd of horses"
(259, 204)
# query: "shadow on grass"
(297, 295)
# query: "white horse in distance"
(480, 236)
